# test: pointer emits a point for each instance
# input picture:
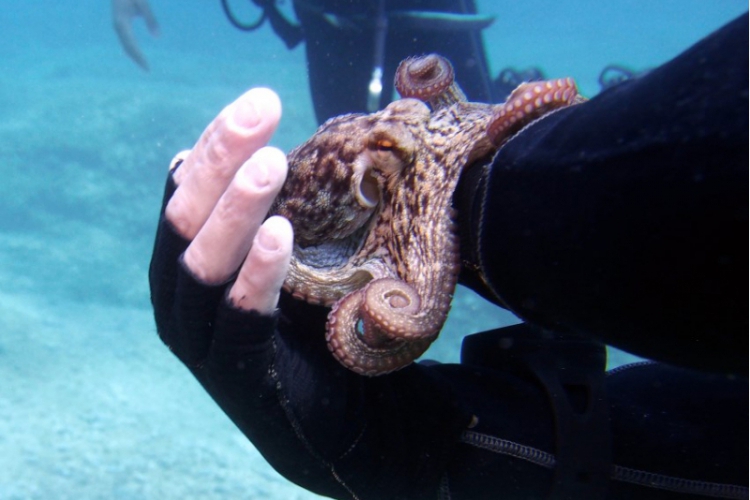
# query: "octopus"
(369, 198)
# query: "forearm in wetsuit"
(625, 218)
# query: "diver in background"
(622, 220)
(354, 46)
(123, 13)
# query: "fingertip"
(255, 107)
(275, 236)
(281, 230)
(262, 274)
(274, 159)
(269, 100)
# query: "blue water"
(92, 406)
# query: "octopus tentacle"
(528, 102)
(368, 354)
(326, 286)
(430, 79)
(393, 308)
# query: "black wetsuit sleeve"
(625, 218)
(321, 426)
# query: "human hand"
(270, 370)
(225, 187)
(123, 12)
(213, 225)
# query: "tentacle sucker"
(366, 352)
(529, 102)
(394, 308)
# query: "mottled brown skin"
(369, 197)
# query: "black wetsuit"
(623, 219)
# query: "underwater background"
(92, 405)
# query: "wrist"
(469, 201)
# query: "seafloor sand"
(91, 404)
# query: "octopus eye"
(365, 183)
(369, 191)
(388, 153)
(384, 145)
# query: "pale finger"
(259, 282)
(240, 130)
(224, 240)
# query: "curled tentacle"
(393, 309)
(528, 102)
(367, 353)
(430, 79)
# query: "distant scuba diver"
(354, 46)
(615, 74)
(123, 12)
